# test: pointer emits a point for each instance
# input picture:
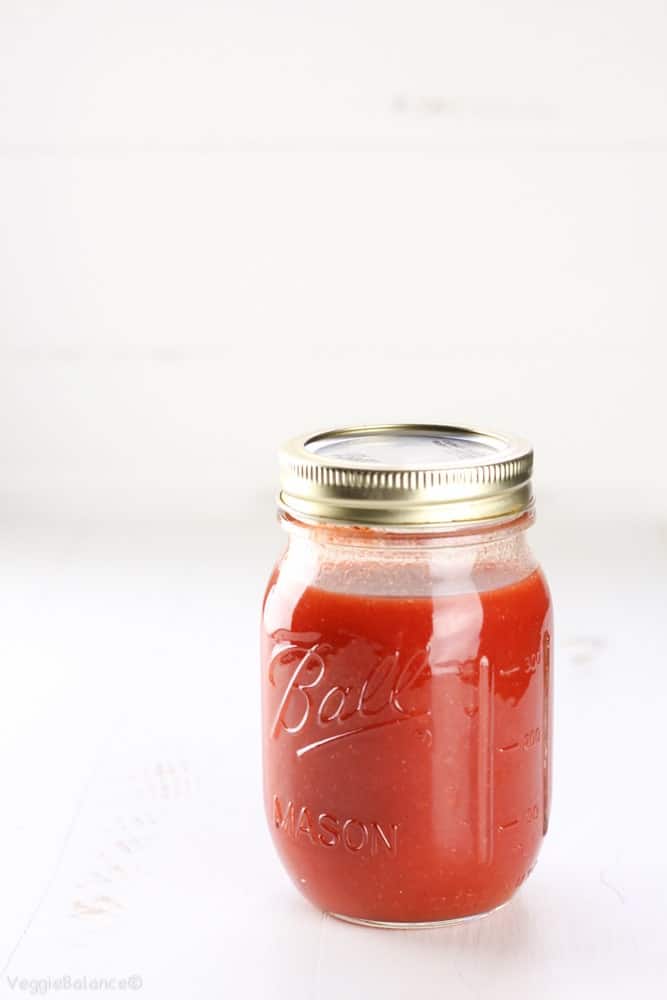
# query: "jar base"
(417, 925)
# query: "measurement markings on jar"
(530, 739)
(528, 815)
(507, 826)
(485, 754)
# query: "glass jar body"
(406, 685)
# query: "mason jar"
(407, 674)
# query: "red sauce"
(406, 745)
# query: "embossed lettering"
(408, 679)
(383, 841)
(378, 685)
(353, 835)
(305, 825)
(297, 688)
(385, 697)
(332, 704)
(329, 830)
(283, 821)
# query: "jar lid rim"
(406, 475)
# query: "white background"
(224, 223)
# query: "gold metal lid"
(405, 476)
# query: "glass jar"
(406, 674)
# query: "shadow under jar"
(406, 674)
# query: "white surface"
(133, 838)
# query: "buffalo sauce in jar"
(406, 674)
